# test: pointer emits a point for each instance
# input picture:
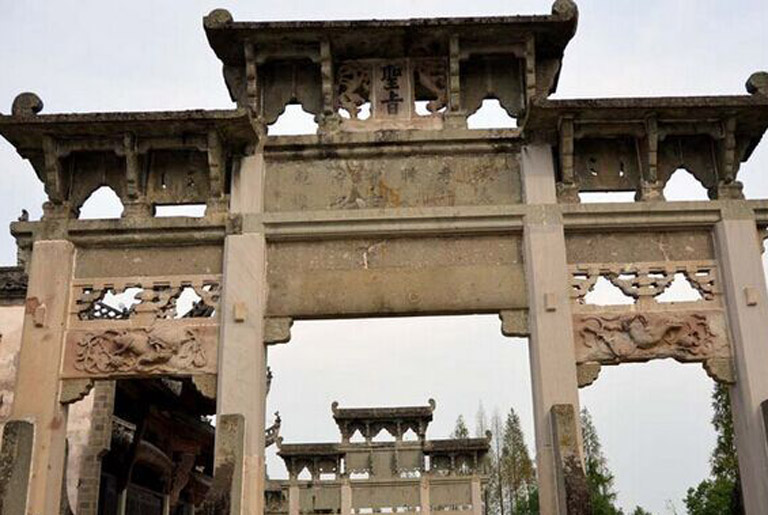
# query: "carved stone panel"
(686, 336)
(392, 181)
(141, 326)
(166, 347)
(648, 328)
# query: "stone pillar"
(346, 497)
(477, 496)
(426, 503)
(242, 372)
(552, 354)
(37, 382)
(743, 277)
(294, 501)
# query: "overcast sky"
(653, 419)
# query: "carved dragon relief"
(164, 347)
(686, 331)
(432, 75)
(354, 87)
(613, 338)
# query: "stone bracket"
(277, 330)
(514, 323)
(74, 390)
(206, 384)
(587, 373)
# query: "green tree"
(517, 470)
(496, 482)
(461, 430)
(721, 493)
(599, 477)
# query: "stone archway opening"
(649, 417)
(382, 362)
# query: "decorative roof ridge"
(562, 10)
(27, 106)
(383, 413)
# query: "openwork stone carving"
(354, 87)
(160, 297)
(165, 347)
(431, 74)
(645, 281)
(685, 331)
(13, 284)
(150, 335)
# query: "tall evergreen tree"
(517, 468)
(599, 477)
(721, 493)
(461, 430)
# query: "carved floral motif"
(164, 347)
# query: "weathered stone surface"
(277, 330)
(148, 261)
(11, 322)
(26, 104)
(757, 84)
(515, 323)
(224, 497)
(634, 247)
(587, 373)
(573, 488)
(398, 275)
(73, 390)
(392, 180)
(15, 466)
(13, 285)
